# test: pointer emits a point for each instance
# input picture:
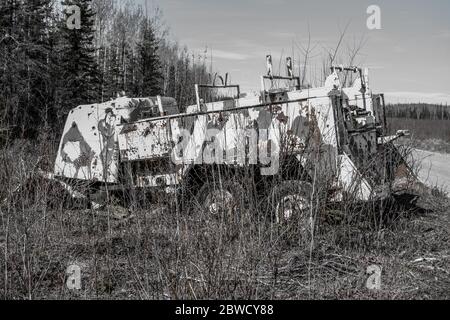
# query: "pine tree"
(171, 82)
(149, 63)
(46, 68)
(80, 79)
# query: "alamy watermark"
(250, 146)
(373, 282)
(74, 20)
(374, 20)
(73, 273)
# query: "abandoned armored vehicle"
(288, 140)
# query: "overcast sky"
(409, 57)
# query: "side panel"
(145, 140)
(88, 148)
(351, 179)
(239, 137)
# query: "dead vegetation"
(157, 251)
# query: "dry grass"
(158, 252)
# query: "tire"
(290, 203)
(221, 200)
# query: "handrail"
(200, 113)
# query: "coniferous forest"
(48, 68)
(418, 111)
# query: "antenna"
(366, 77)
(289, 72)
(211, 65)
(160, 105)
(269, 65)
(221, 79)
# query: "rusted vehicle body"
(293, 133)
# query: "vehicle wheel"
(221, 200)
(291, 200)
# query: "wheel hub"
(218, 200)
(289, 205)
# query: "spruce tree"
(171, 82)
(80, 79)
(149, 63)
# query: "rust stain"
(128, 128)
(282, 118)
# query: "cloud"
(414, 97)
(280, 34)
(228, 55)
(445, 34)
(376, 67)
(399, 49)
(270, 2)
